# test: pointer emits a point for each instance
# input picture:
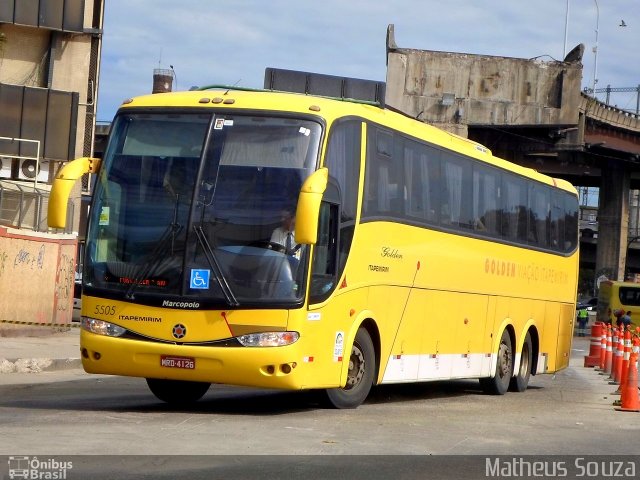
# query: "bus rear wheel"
(521, 380)
(359, 377)
(177, 392)
(499, 383)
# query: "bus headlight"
(100, 327)
(268, 339)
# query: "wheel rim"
(504, 361)
(356, 367)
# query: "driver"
(284, 234)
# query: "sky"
(231, 42)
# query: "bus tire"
(177, 392)
(521, 380)
(362, 367)
(499, 383)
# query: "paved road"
(70, 412)
(269, 434)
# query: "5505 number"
(105, 310)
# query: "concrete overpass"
(532, 112)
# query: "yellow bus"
(614, 296)
(417, 255)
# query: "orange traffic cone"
(603, 347)
(618, 351)
(608, 363)
(630, 400)
(593, 360)
(624, 371)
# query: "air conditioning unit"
(5, 167)
(27, 170)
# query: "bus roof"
(331, 109)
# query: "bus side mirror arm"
(62, 185)
(308, 210)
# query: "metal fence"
(25, 207)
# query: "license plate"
(177, 362)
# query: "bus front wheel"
(177, 392)
(359, 377)
(521, 380)
(499, 383)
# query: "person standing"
(618, 313)
(626, 319)
(583, 318)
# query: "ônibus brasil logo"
(35, 468)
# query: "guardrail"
(614, 116)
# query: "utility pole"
(566, 32)
(595, 52)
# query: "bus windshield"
(199, 208)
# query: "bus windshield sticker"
(219, 124)
(228, 123)
(104, 216)
(338, 347)
(199, 278)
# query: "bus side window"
(571, 223)
(514, 204)
(539, 215)
(557, 222)
(457, 198)
(323, 267)
(385, 192)
(486, 200)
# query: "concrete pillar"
(613, 221)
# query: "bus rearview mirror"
(62, 185)
(308, 210)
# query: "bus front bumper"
(269, 367)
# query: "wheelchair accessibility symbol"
(199, 279)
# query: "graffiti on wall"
(65, 277)
(37, 273)
(3, 259)
(27, 259)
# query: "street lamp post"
(595, 47)
(566, 31)
(595, 52)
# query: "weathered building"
(49, 69)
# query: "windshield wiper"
(145, 268)
(215, 266)
(169, 235)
